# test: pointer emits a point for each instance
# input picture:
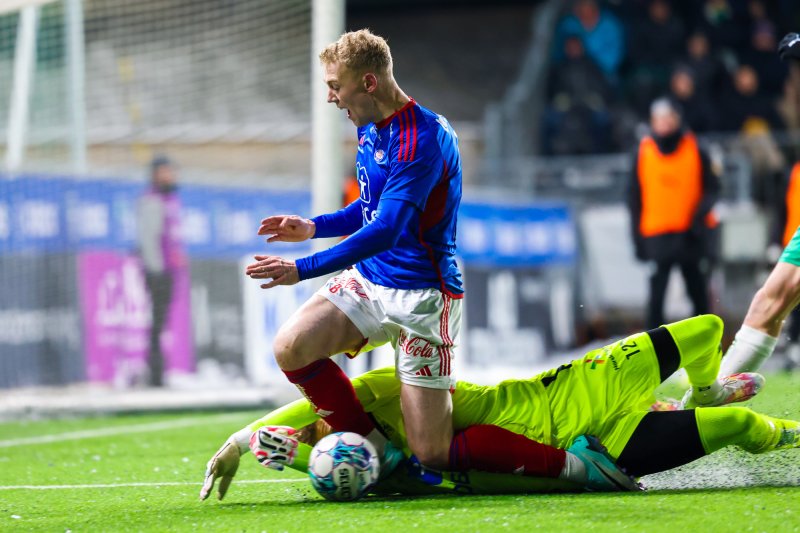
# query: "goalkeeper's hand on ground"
(274, 446)
(224, 464)
(789, 47)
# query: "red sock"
(332, 396)
(494, 449)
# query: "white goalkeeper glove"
(224, 464)
(274, 446)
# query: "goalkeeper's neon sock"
(748, 352)
(697, 342)
(736, 388)
(601, 473)
(332, 396)
(740, 426)
(494, 449)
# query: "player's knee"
(286, 347)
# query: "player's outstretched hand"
(789, 47)
(279, 270)
(274, 446)
(222, 466)
(287, 228)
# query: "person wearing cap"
(671, 195)
(161, 252)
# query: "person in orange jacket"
(671, 196)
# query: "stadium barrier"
(75, 307)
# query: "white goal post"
(23, 80)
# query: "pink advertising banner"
(115, 309)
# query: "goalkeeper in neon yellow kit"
(605, 394)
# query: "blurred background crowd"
(715, 57)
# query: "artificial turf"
(145, 472)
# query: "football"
(343, 466)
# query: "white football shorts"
(423, 325)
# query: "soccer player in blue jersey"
(401, 284)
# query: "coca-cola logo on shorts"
(415, 346)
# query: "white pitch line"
(153, 484)
(117, 430)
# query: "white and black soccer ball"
(343, 466)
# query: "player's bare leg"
(428, 417)
(773, 302)
(303, 347)
(317, 330)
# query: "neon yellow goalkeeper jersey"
(517, 405)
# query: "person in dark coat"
(671, 196)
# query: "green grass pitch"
(143, 473)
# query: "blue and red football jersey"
(413, 156)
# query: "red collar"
(385, 122)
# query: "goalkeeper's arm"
(274, 447)
(224, 464)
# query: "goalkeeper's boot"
(602, 473)
(390, 460)
(786, 435)
(735, 388)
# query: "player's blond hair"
(360, 51)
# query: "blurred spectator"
(709, 72)
(758, 13)
(789, 105)
(672, 191)
(745, 107)
(601, 33)
(755, 116)
(725, 27)
(698, 110)
(655, 42)
(771, 71)
(576, 119)
(659, 38)
(161, 252)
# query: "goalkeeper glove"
(274, 446)
(224, 464)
